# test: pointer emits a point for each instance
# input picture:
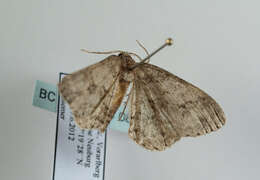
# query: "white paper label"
(79, 154)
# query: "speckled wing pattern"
(165, 108)
(94, 93)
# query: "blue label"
(45, 96)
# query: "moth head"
(127, 60)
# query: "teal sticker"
(121, 124)
(45, 96)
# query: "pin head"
(169, 41)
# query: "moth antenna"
(168, 42)
(142, 46)
(111, 52)
(130, 53)
(101, 52)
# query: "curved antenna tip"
(169, 41)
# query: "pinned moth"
(163, 107)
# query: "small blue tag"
(45, 96)
(120, 124)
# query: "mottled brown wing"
(165, 108)
(94, 93)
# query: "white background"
(216, 48)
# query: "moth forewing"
(95, 92)
(166, 108)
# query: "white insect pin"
(163, 107)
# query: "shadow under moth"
(163, 107)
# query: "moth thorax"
(127, 60)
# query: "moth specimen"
(163, 107)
